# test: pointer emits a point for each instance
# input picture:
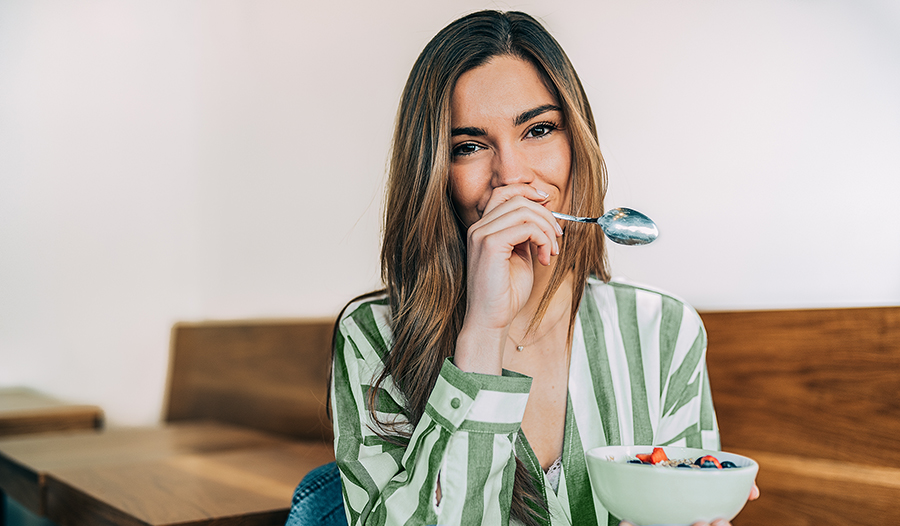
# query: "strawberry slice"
(658, 455)
(712, 459)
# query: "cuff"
(478, 402)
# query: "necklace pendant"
(520, 348)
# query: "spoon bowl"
(624, 226)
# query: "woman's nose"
(509, 167)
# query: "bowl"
(647, 495)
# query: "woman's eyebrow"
(523, 117)
(474, 132)
(530, 114)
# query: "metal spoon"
(621, 225)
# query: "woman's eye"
(466, 148)
(540, 130)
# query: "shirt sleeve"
(687, 417)
(465, 438)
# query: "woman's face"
(507, 129)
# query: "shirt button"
(455, 403)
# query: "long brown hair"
(423, 257)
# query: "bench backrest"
(811, 380)
(823, 382)
(268, 375)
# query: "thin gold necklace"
(521, 346)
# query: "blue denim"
(318, 500)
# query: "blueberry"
(635, 461)
(683, 465)
(697, 462)
(728, 464)
(709, 464)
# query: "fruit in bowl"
(670, 486)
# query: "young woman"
(500, 351)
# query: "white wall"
(171, 160)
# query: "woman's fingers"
(501, 194)
(520, 225)
(514, 204)
(754, 493)
(504, 198)
(512, 240)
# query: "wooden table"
(185, 474)
(25, 411)
(246, 487)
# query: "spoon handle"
(567, 217)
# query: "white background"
(185, 160)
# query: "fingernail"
(558, 228)
(542, 193)
(555, 247)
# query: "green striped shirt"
(637, 376)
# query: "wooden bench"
(245, 420)
(814, 397)
(270, 375)
(811, 394)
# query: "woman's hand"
(513, 229)
(754, 494)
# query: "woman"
(468, 391)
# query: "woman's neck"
(560, 304)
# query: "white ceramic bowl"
(661, 496)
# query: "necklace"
(521, 346)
